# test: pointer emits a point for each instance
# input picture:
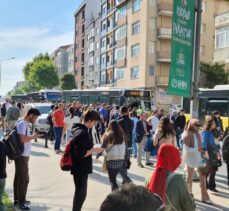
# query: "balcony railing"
(165, 33)
(165, 8)
(164, 56)
(162, 80)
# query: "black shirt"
(2, 160)
(81, 144)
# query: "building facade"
(86, 35)
(63, 59)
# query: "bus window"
(84, 100)
(105, 99)
(94, 99)
(115, 100)
(217, 105)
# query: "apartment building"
(62, 58)
(70, 52)
(86, 20)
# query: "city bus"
(45, 95)
(129, 97)
(210, 100)
(19, 97)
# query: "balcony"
(122, 20)
(121, 43)
(164, 56)
(165, 9)
(162, 80)
(164, 33)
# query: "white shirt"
(23, 129)
(69, 121)
(155, 122)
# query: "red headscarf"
(168, 159)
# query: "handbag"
(104, 165)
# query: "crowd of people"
(120, 133)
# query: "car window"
(43, 109)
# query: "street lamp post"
(1, 60)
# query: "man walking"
(127, 125)
(21, 179)
(142, 134)
(179, 125)
(58, 122)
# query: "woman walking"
(165, 133)
(68, 123)
(211, 151)
(192, 156)
(114, 145)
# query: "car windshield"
(43, 109)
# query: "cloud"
(24, 43)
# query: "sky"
(30, 27)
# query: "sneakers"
(149, 164)
(214, 190)
(209, 201)
(16, 202)
(23, 206)
(140, 165)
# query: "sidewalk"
(52, 189)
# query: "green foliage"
(67, 82)
(8, 203)
(215, 74)
(43, 74)
(40, 73)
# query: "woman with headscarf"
(163, 181)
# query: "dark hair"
(117, 107)
(52, 107)
(166, 127)
(216, 112)
(124, 109)
(133, 198)
(90, 115)
(19, 105)
(71, 111)
(33, 111)
(114, 133)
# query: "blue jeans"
(179, 131)
(2, 187)
(134, 145)
(58, 133)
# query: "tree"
(67, 82)
(214, 73)
(43, 74)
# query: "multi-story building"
(221, 53)
(62, 58)
(70, 52)
(86, 17)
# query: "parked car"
(41, 125)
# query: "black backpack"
(14, 147)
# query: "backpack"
(15, 114)
(49, 118)
(66, 159)
(14, 147)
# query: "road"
(52, 189)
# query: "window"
(82, 43)
(203, 28)
(91, 47)
(135, 50)
(83, 29)
(136, 5)
(96, 45)
(134, 72)
(119, 73)
(152, 2)
(204, 6)
(91, 33)
(151, 70)
(121, 12)
(97, 30)
(120, 33)
(222, 37)
(152, 24)
(103, 77)
(151, 47)
(91, 61)
(120, 53)
(104, 9)
(136, 28)
(103, 61)
(97, 60)
(82, 57)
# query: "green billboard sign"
(182, 48)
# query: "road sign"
(182, 48)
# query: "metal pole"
(194, 106)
